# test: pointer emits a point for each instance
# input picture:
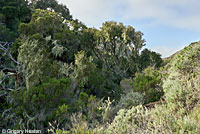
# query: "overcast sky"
(168, 25)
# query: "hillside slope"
(181, 111)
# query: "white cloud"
(91, 12)
(178, 13)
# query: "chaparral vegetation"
(61, 77)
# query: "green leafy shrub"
(141, 120)
(84, 116)
(79, 126)
(6, 35)
(181, 87)
(62, 114)
(187, 61)
(93, 112)
(81, 102)
(127, 101)
(134, 120)
(106, 110)
(168, 121)
(149, 82)
(126, 85)
(131, 99)
(41, 104)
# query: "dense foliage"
(178, 113)
(149, 82)
(59, 76)
(12, 13)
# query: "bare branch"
(7, 110)
(3, 94)
(5, 46)
(7, 70)
(5, 77)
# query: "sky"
(167, 25)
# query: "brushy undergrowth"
(178, 114)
